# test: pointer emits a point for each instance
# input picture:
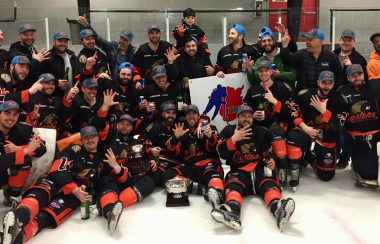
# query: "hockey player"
(200, 161)
(149, 55)
(17, 144)
(272, 103)
(156, 135)
(243, 147)
(188, 28)
(229, 57)
(322, 111)
(362, 124)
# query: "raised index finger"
(76, 84)
(95, 54)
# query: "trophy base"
(177, 199)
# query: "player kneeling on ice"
(244, 148)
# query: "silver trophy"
(177, 193)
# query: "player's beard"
(154, 40)
(169, 122)
(124, 82)
(244, 123)
(323, 92)
(16, 77)
(271, 49)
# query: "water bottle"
(179, 102)
(243, 59)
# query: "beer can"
(274, 66)
(142, 82)
(203, 126)
(141, 98)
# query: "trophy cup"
(138, 162)
(177, 193)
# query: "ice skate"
(216, 197)
(227, 216)
(285, 209)
(11, 227)
(294, 179)
(282, 176)
(114, 216)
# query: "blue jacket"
(112, 51)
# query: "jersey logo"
(82, 59)
(6, 77)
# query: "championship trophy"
(177, 193)
(138, 162)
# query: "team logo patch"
(159, 70)
(55, 205)
(328, 74)
(12, 103)
(82, 59)
(27, 26)
(311, 31)
(127, 32)
(26, 59)
(348, 31)
(327, 161)
(89, 129)
(50, 75)
(354, 66)
(7, 78)
(263, 62)
(154, 25)
(76, 148)
(63, 33)
(89, 31)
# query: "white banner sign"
(219, 98)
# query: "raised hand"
(280, 28)
(318, 104)
(181, 27)
(285, 39)
(242, 134)
(111, 159)
(208, 131)
(41, 56)
(248, 64)
(171, 54)
(34, 143)
(179, 131)
(109, 96)
(150, 107)
(347, 61)
(104, 76)
(73, 91)
(90, 62)
(269, 96)
(34, 115)
(83, 20)
(37, 86)
(62, 84)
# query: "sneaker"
(285, 209)
(294, 178)
(11, 227)
(216, 197)
(114, 216)
(342, 163)
(282, 176)
(227, 216)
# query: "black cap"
(374, 35)
(188, 12)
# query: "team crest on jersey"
(362, 106)
(247, 148)
(55, 205)
(76, 148)
(235, 64)
(287, 86)
(193, 148)
(82, 59)
(123, 154)
(318, 120)
(6, 77)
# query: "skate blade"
(116, 212)
(294, 188)
(213, 197)
(289, 208)
(219, 217)
(8, 221)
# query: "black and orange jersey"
(192, 150)
(101, 65)
(4, 59)
(246, 154)
(282, 112)
(363, 103)
(193, 31)
(145, 59)
(331, 121)
(80, 112)
(156, 135)
(229, 59)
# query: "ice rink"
(332, 212)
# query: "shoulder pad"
(6, 77)
(76, 148)
(302, 92)
(24, 123)
(287, 86)
(344, 98)
(136, 49)
(149, 127)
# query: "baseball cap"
(88, 131)
(326, 75)
(315, 33)
(6, 105)
(192, 107)
(354, 68)
(89, 82)
(169, 106)
(348, 33)
(126, 117)
(125, 65)
(127, 34)
(264, 63)
(153, 27)
(25, 27)
(264, 29)
(60, 35)
(188, 12)
(47, 77)
(158, 71)
(20, 60)
(267, 34)
(373, 35)
(244, 108)
(239, 28)
(86, 33)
